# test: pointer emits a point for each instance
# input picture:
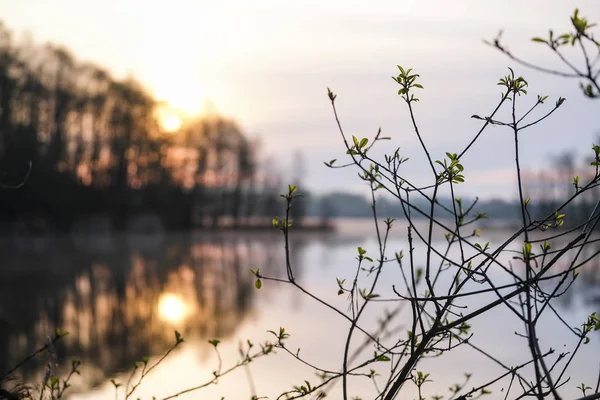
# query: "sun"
(172, 308)
(171, 123)
(181, 98)
(181, 92)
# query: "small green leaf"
(331, 95)
(546, 246)
(178, 337)
(258, 284)
(527, 250)
(60, 333)
(419, 273)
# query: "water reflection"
(122, 297)
(172, 308)
(585, 290)
(122, 301)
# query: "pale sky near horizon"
(267, 64)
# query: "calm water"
(121, 298)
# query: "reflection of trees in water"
(124, 304)
(590, 277)
(586, 288)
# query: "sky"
(268, 63)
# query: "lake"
(121, 298)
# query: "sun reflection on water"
(172, 308)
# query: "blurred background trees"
(90, 144)
(559, 180)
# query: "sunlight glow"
(172, 308)
(182, 93)
(171, 123)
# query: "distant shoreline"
(151, 225)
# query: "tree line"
(77, 141)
